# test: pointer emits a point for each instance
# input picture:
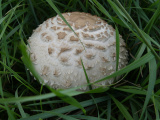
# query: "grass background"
(135, 97)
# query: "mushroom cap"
(56, 52)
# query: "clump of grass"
(135, 96)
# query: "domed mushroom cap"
(57, 52)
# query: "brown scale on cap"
(88, 66)
(113, 54)
(79, 50)
(85, 35)
(85, 29)
(50, 50)
(89, 45)
(94, 28)
(72, 38)
(33, 57)
(106, 33)
(64, 48)
(103, 70)
(98, 22)
(111, 33)
(100, 47)
(43, 34)
(61, 35)
(52, 20)
(68, 83)
(79, 62)
(79, 23)
(47, 24)
(39, 29)
(77, 34)
(98, 35)
(46, 37)
(45, 70)
(49, 38)
(64, 59)
(67, 29)
(60, 21)
(55, 28)
(89, 55)
(112, 43)
(56, 72)
(103, 37)
(104, 59)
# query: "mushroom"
(58, 51)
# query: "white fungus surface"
(57, 52)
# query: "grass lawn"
(136, 96)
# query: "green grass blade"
(96, 106)
(149, 39)
(153, 19)
(27, 99)
(156, 105)
(68, 92)
(98, 90)
(117, 9)
(68, 99)
(66, 109)
(2, 19)
(82, 117)
(65, 117)
(20, 106)
(134, 110)
(33, 11)
(6, 24)
(12, 31)
(18, 15)
(134, 91)
(1, 88)
(122, 108)
(10, 113)
(140, 51)
(102, 9)
(117, 48)
(152, 80)
(90, 87)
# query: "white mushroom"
(57, 51)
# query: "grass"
(135, 97)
